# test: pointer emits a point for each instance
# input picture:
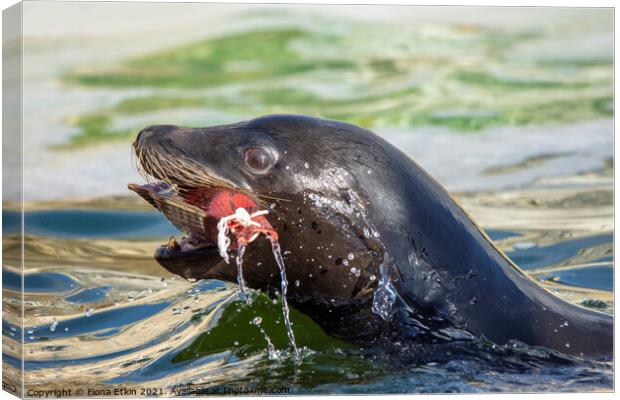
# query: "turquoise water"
(503, 86)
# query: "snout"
(154, 134)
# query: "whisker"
(185, 174)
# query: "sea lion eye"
(258, 159)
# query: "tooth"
(172, 243)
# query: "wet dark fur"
(448, 275)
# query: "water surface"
(108, 314)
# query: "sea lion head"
(309, 174)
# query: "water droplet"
(53, 325)
(385, 294)
(350, 256)
(376, 234)
(30, 331)
(67, 329)
(287, 167)
(345, 263)
(306, 165)
(372, 278)
(297, 283)
(89, 312)
(369, 172)
(567, 345)
(257, 320)
(236, 343)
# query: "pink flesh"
(219, 203)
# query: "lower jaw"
(168, 252)
(192, 265)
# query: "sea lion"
(376, 250)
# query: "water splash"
(241, 215)
(275, 247)
(273, 353)
(239, 259)
(385, 294)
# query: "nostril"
(142, 135)
(154, 134)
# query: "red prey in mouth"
(197, 211)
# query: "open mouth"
(194, 211)
(194, 200)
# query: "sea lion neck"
(445, 263)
